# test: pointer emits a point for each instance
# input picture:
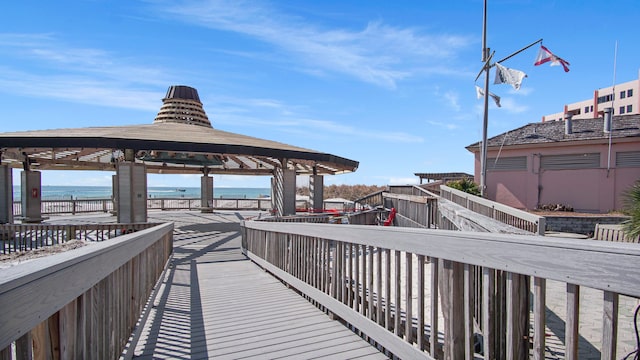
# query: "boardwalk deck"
(214, 303)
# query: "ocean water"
(50, 192)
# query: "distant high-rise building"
(623, 99)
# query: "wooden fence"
(505, 214)
(83, 303)
(25, 237)
(388, 283)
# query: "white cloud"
(379, 54)
(512, 106)
(82, 75)
(453, 100)
(448, 126)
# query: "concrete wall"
(579, 225)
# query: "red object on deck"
(392, 216)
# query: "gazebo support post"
(316, 192)
(132, 192)
(6, 195)
(30, 188)
(206, 192)
(284, 190)
(114, 195)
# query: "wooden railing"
(370, 201)
(508, 215)
(69, 206)
(51, 207)
(25, 237)
(413, 210)
(391, 283)
(82, 303)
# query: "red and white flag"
(544, 55)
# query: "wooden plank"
(40, 336)
(433, 338)
(370, 301)
(539, 317)
(363, 282)
(398, 310)
(572, 322)
(67, 316)
(488, 312)
(356, 277)
(468, 313)
(24, 346)
(609, 326)
(408, 328)
(387, 289)
(379, 311)
(517, 253)
(421, 320)
(350, 297)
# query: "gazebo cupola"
(182, 105)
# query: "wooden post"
(573, 319)
(539, 318)
(609, 325)
(517, 317)
(452, 289)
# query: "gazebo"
(181, 140)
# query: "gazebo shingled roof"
(181, 140)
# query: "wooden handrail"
(49, 297)
(511, 216)
(312, 253)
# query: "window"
(605, 98)
(629, 108)
(570, 161)
(586, 109)
(623, 94)
(621, 109)
(630, 93)
(591, 108)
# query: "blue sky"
(387, 83)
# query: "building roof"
(553, 132)
(180, 140)
(443, 176)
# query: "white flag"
(480, 95)
(509, 76)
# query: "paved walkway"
(214, 303)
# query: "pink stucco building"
(581, 163)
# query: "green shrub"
(632, 202)
(465, 184)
